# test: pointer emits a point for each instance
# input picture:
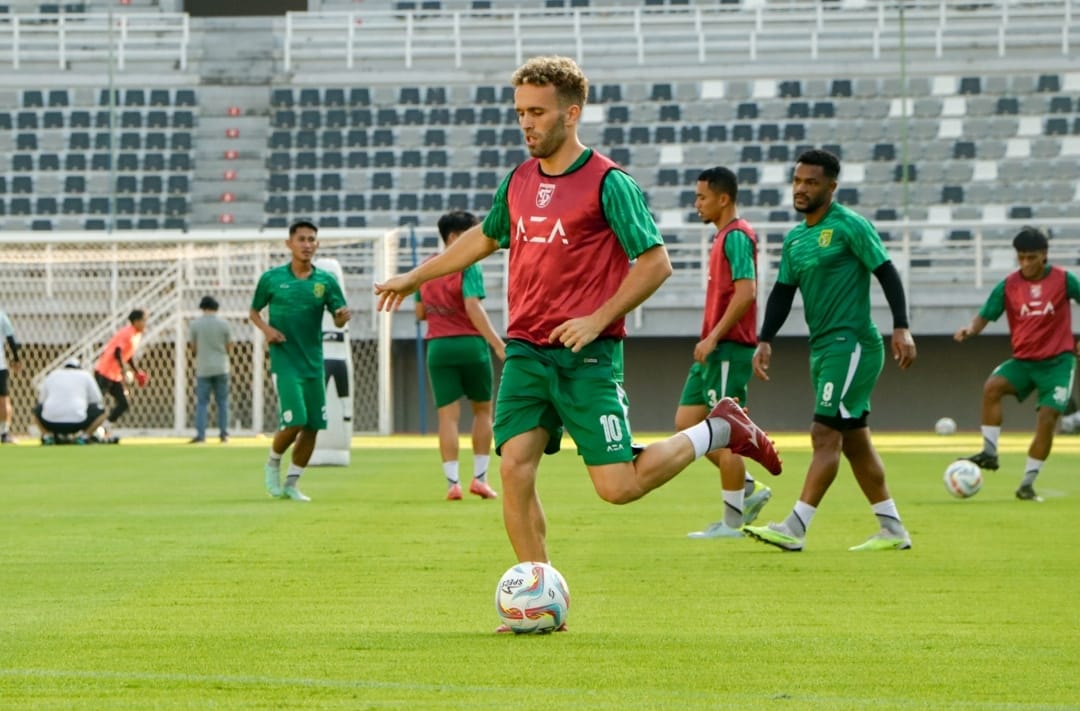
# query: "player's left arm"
(629, 217)
(335, 303)
(865, 243)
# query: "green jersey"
(296, 309)
(831, 263)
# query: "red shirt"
(127, 340)
(1040, 319)
(722, 288)
(565, 260)
(444, 303)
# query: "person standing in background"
(210, 344)
(296, 294)
(459, 359)
(723, 357)
(7, 333)
(116, 366)
(829, 258)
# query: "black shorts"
(92, 413)
(3, 381)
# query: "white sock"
(293, 475)
(1031, 471)
(888, 516)
(4, 427)
(450, 471)
(733, 508)
(707, 435)
(799, 518)
(480, 466)
(749, 484)
(274, 459)
(991, 435)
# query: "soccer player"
(297, 293)
(829, 257)
(210, 339)
(1035, 299)
(69, 403)
(7, 333)
(115, 368)
(459, 342)
(572, 221)
(723, 357)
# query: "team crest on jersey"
(1036, 291)
(320, 289)
(825, 238)
(544, 194)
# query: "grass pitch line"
(684, 700)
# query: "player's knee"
(617, 490)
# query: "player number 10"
(612, 428)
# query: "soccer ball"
(963, 479)
(945, 426)
(532, 598)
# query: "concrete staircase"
(236, 66)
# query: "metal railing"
(643, 35)
(124, 39)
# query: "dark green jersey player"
(829, 259)
(297, 294)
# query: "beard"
(810, 206)
(550, 143)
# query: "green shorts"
(301, 402)
(844, 375)
(555, 388)
(459, 366)
(1052, 379)
(725, 373)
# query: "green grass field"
(159, 576)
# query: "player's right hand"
(762, 356)
(394, 290)
(142, 377)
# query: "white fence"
(124, 39)
(616, 36)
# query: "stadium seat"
(382, 180)
(334, 96)
(742, 132)
(329, 202)
(664, 134)
(411, 158)
(355, 203)
(22, 162)
(716, 133)
(359, 96)
(840, 88)
(150, 205)
(746, 110)
(382, 137)
(309, 97)
(124, 205)
(131, 119)
(276, 204)
(356, 159)
(661, 92)
(26, 120)
(73, 206)
(159, 97)
(747, 175)
(183, 119)
(670, 112)
(185, 97)
(360, 118)
(330, 182)
(970, 85)
(178, 162)
(690, 134)
(126, 184)
(179, 141)
(751, 153)
(303, 204)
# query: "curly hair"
(563, 73)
